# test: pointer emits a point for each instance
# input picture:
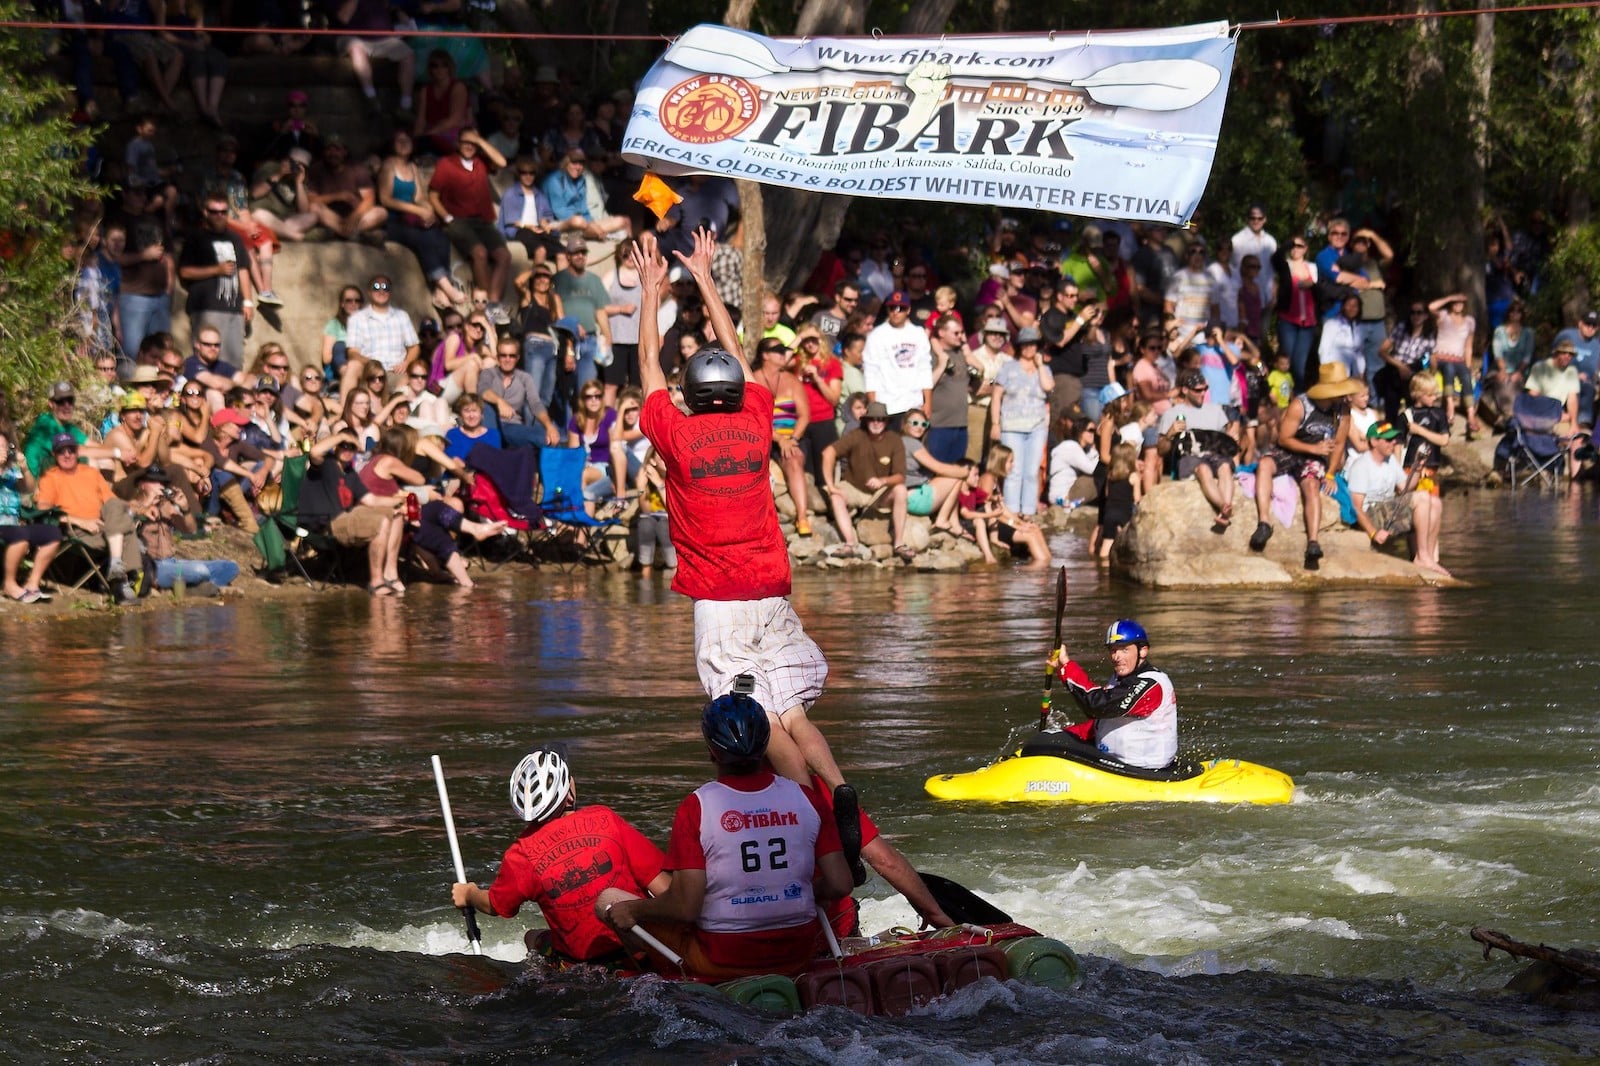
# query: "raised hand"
(648, 261)
(698, 262)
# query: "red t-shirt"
(724, 520)
(564, 865)
(685, 852)
(821, 410)
(464, 193)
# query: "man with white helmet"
(1134, 716)
(751, 855)
(733, 560)
(563, 860)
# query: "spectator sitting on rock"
(412, 222)
(1073, 457)
(874, 468)
(295, 130)
(1197, 437)
(359, 16)
(341, 193)
(929, 480)
(443, 108)
(278, 197)
(145, 172)
(93, 513)
(526, 216)
(463, 199)
(568, 190)
(1310, 449)
(470, 430)
(1376, 479)
(1017, 532)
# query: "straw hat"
(1334, 381)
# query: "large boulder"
(1169, 544)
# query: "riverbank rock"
(1169, 544)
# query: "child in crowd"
(1124, 490)
(1280, 381)
(1429, 423)
(944, 303)
(652, 526)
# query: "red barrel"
(846, 987)
(960, 967)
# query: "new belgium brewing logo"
(709, 108)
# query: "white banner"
(1114, 125)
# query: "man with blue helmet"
(751, 854)
(1134, 716)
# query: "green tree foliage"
(41, 183)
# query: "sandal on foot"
(1313, 555)
(802, 528)
(905, 552)
(380, 589)
(1258, 539)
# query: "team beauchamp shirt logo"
(738, 821)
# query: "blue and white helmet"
(540, 785)
(736, 725)
(1126, 631)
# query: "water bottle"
(413, 509)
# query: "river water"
(222, 840)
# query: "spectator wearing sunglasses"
(214, 267)
(378, 334)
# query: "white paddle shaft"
(649, 938)
(450, 831)
(827, 931)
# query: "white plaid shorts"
(763, 638)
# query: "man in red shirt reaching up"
(733, 560)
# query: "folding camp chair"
(1531, 451)
(571, 535)
(76, 563)
(283, 542)
(502, 491)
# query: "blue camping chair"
(571, 534)
(1531, 451)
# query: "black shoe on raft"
(847, 816)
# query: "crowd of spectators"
(1088, 353)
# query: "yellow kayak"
(1058, 779)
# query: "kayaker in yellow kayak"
(1134, 716)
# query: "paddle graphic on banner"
(1115, 125)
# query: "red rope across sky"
(1280, 23)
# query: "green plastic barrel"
(1041, 960)
(770, 992)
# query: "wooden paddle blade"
(720, 50)
(961, 903)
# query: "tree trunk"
(929, 17)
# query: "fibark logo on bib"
(734, 821)
(709, 108)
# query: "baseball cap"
(1028, 335)
(1591, 318)
(134, 401)
(63, 440)
(898, 299)
(298, 96)
(1111, 393)
(1191, 379)
(1382, 431)
(428, 325)
(266, 384)
(63, 390)
(575, 243)
(995, 325)
(228, 416)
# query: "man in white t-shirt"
(1375, 479)
(898, 362)
(1207, 447)
(1254, 240)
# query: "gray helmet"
(713, 381)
